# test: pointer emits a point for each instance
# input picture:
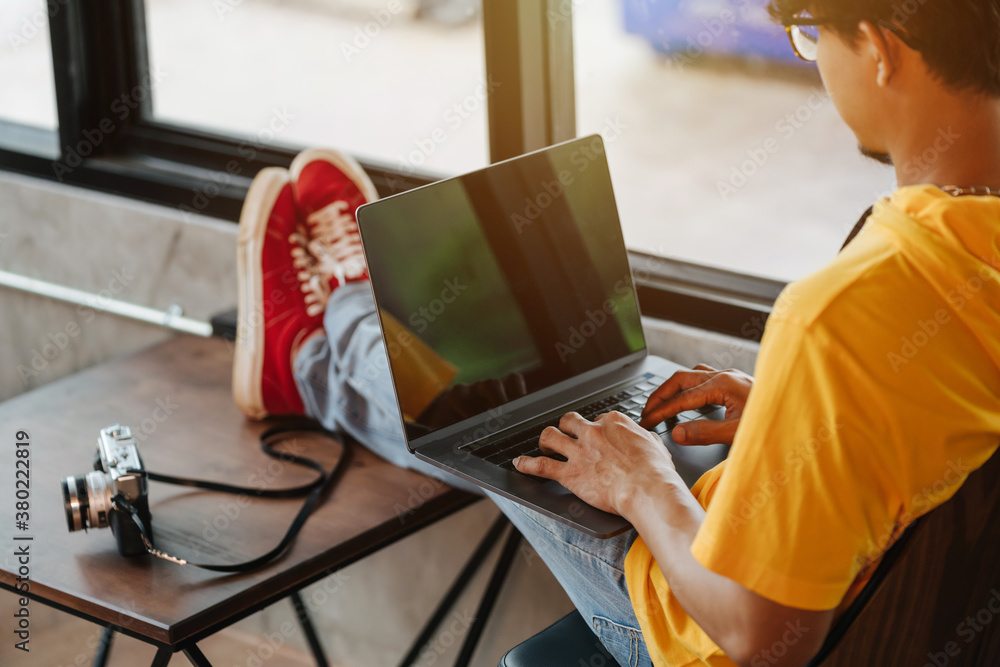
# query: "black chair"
(568, 642)
(915, 610)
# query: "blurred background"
(687, 94)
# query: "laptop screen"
(500, 283)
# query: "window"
(28, 102)
(733, 163)
(181, 102)
(394, 82)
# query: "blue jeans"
(345, 383)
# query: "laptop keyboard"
(629, 401)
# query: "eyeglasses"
(803, 33)
(804, 36)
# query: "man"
(876, 389)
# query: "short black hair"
(959, 39)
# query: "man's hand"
(689, 390)
(607, 460)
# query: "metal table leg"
(104, 647)
(307, 627)
(471, 567)
(489, 598)
(162, 657)
(196, 657)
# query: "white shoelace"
(315, 287)
(336, 243)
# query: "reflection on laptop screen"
(501, 283)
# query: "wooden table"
(176, 397)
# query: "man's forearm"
(741, 622)
(668, 520)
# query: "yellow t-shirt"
(877, 393)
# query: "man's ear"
(884, 48)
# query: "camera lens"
(87, 499)
(71, 501)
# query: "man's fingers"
(689, 399)
(678, 383)
(706, 367)
(705, 432)
(554, 441)
(572, 423)
(541, 466)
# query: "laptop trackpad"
(694, 461)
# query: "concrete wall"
(151, 256)
(113, 248)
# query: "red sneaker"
(281, 298)
(329, 188)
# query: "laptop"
(506, 299)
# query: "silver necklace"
(956, 191)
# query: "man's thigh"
(592, 572)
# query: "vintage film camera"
(118, 472)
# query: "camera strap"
(315, 489)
